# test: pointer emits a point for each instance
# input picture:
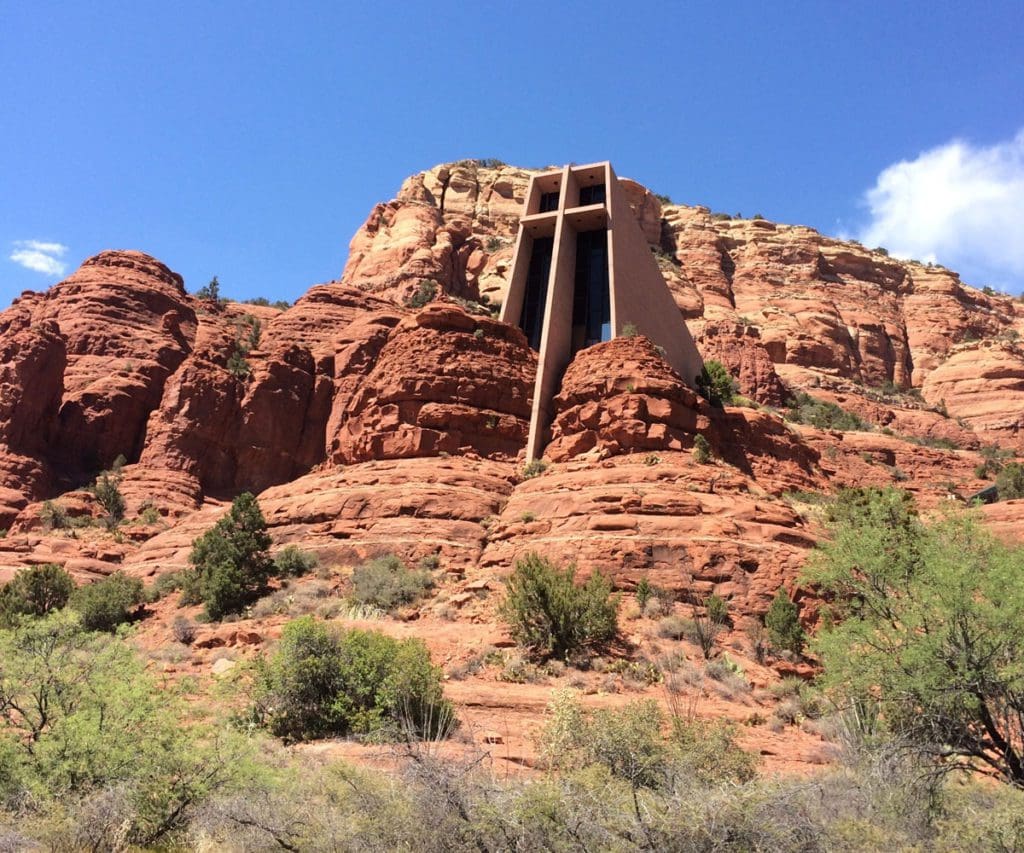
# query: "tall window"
(548, 201)
(532, 319)
(592, 195)
(591, 305)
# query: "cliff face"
(367, 426)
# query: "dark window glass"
(548, 201)
(531, 321)
(592, 195)
(591, 306)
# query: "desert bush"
(183, 630)
(322, 682)
(717, 609)
(534, 468)
(805, 409)
(107, 603)
(674, 628)
(927, 621)
(292, 561)
(35, 591)
(54, 516)
(551, 616)
(782, 622)
(424, 294)
(80, 716)
(701, 450)
(230, 561)
(386, 582)
(1010, 482)
(715, 384)
(107, 490)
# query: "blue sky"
(250, 140)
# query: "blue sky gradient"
(250, 140)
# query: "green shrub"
(717, 609)
(54, 516)
(108, 492)
(324, 682)
(35, 591)
(806, 409)
(551, 616)
(715, 384)
(107, 603)
(237, 365)
(629, 330)
(292, 561)
(701, 450)
(210, 291)
(644, 591)
(534, 468)
(1010, 482)
(230, 561)
(783, 623)
(386, 582)
(424, 294)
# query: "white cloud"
(960, 204)
(40, 256)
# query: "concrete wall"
(639, 293)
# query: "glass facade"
(591, 305)
(535, 298)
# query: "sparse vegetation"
(1010, 482)
(54, 516)
(805, 409)
(552, 616)
(107, 490)
(387, 583)
(210, 292)
(424, 294)
(533, 468)
(629, 330)
(701, 450)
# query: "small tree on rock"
(783, 623)
(231, 563)
(35, 591)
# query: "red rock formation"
(445, 382)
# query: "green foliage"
(80, 718)
(533, 468)
(783, 624)
(988, 291)
(107, 603)
(54, 516)
(806, 409)
(323, 682)
(628, 743)
(230, 561)
(35, 591)
(292, 561)
(424, 294)
(717, 609)
(715, 384)
(644, 591)
(1010, 482)
(210, 291)
(701, 450)
(237, 365)
(493, 245)
(629, 330)
(107, 490)
(927, 624)
(551, 616)
(387, 583)
(262, 301)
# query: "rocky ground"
(366, 426)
